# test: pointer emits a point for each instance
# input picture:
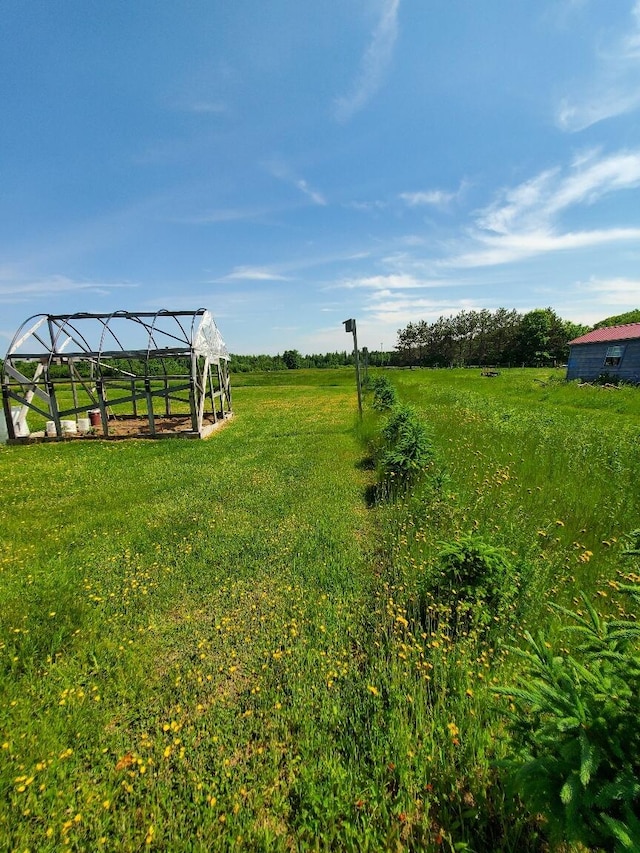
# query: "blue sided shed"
(612, 352)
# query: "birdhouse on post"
(350, 326)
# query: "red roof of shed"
(609, 333)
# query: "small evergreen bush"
(406, 451)
(475, 580)
(575, 726)
(384, 394)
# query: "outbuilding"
(118, 375)
(611, 353)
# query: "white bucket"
(69, 427)
(50, 429)
(84, 425)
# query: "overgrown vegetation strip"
(462, 582)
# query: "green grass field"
(217, 645)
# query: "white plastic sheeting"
(208, 340)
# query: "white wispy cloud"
(314, 195)
(389, 301)
(616, 291)
(374, 63)
(525, 220)
(534, 202)
(615, 89)
(285, 173)
(401, 309)
(387, 283)
(589, 301)
(222, 214)
(509, 248)
(252, 274)
(206, 107)
(434, 198)
(54, 285)
(367, 206)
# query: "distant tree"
(574, 330)
(501, 336)
(620, 319)
(470, 337)
(292, 359)
(485, 337)
(541, 337)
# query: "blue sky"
(290, 164)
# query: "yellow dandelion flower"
(373, 690)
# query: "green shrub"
(574, 723)
(475, 580)
(384, 394)
(407, 450)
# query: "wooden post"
(192, 392)
(350, 326)
(6, 403)
(193, 405)
(102, 403)
(53, 406)
(150, 415)
(212, 392)
(221, 388)
(227, 386)
(74, 390)
(203, 393)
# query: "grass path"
(178, 619)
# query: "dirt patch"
(140, 426)
(128, 426)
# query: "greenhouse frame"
(123, 374)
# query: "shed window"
(613, 356)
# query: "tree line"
(292, 359)
(502, 337)
(486, 338)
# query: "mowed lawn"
(179, 622)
